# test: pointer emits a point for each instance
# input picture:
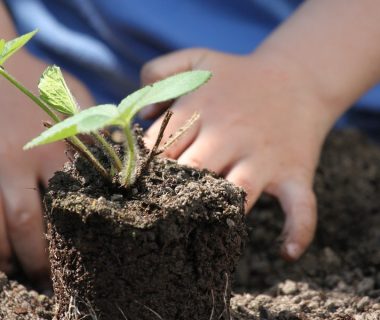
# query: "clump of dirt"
(165, 248)
(18, 303)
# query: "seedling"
(56, 100)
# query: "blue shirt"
(105, 42)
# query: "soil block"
(164, 249)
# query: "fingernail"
(293, 250)
(146, 112)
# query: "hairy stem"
(154, 152)
(30, 95)
(129, 148)
(82, 149)
(74, 140)
(179, 133)
(110, 151)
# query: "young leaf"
(86, 121)
(2, 44)
(12, 46)
(54, 91)
(167, 89)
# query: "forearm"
(337, 43)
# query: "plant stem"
(129, 148)
(74, 140)
(155, 151)
(110, 151)
(29, 94)
(82, 149)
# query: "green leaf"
(167, 89)
(89, 120)
(54, 91)
(12, 46)
(2, 44)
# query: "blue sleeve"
(105, 43)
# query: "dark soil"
(164, 249)
(339, 277)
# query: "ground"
(338, 278)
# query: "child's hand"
(262, 125)
(264, 116)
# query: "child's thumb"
(299, 203)
(170, 64)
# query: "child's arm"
(21, 227)
(264, 116)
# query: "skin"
(278, 104)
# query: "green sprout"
(56, 100)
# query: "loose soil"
(338, 278)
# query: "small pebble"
(296, 299)
(349, 311)
(376, 306)
(263, 298)
(289, 287)
(116, 197)
(102, 200)
(332, 305)
(230, 223)
(363, 302)
(313, 305)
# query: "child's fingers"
(243, 175)
(5, 247)
(170, 64)
(209, 151)
(46, 169)
(299, 204)
(25, 224)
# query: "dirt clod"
(164, 248)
